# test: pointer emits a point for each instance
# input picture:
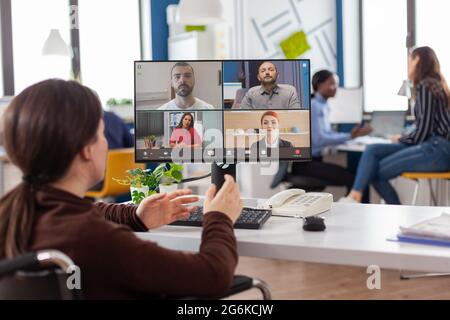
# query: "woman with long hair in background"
(426, 148)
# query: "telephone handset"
(297, 203)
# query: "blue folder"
(423, 240)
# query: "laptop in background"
(387, 123)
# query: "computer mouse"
(313, 223)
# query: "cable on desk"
(195, 178)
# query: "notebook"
(434, 231)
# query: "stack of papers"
(366, 140)
(435, 231)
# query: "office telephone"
(297, 203)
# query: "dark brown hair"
(180, 124)
(320, 77)
(45, 127)
(428, 71)
(181, 64)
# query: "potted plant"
(141, 184)
(149, 141)
(144, 183)
(172, 174)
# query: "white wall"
(259, 26)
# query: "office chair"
(309, 184)
(416, 176)
(37, 276)
(240, 284)
(32, 276)
(296, 181)
(117, 163)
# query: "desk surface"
(356, 235)
(359, 144)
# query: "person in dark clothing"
(116, 131)
(62, 153)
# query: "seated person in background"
(183, 82)
(270, 95)
(325, 85)
(270, 123)
(116, 131)
(184, 134)
(60, 160)
(117, 134)
(426, 149)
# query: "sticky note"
(194, 28)
(295, 45)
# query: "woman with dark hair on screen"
(184, 134)
(426, 148)
(54, 132)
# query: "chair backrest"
(117, 163)
(37, 276)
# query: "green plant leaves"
(164, 173)
(137, 197)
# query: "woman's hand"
(164, 208)
(227, 200)
(180, 145)
(395, 138)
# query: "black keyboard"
(250, 218)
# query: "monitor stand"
(218, 173)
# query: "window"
(430, 30)
(31, 25)
(109, 43)
(384, 54)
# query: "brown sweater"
(115, 264)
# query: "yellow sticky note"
(295, 45)
(194, 28)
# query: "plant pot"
(143, 189)
(166, 188)
(148, 143)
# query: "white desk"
(359, 144)
(356, 235)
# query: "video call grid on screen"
(204, 111)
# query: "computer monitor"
(222, 111)
(386, 123)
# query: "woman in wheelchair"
(54, 132)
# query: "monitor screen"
(223, 111)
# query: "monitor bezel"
(224, 158)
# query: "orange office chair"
(416, 176)
(117, 163)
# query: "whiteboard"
(259, 27)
